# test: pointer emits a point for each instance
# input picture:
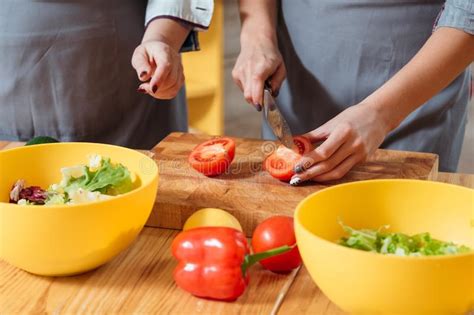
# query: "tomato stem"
(251, 260)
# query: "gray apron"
(65, 72)
(339, 52)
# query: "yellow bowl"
(70, 239)
(369, 283)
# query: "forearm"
(445, 55)
(258, 19)
(169, 31)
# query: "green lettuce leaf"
(109, 179)
(398, 243)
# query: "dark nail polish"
(144, 73)
(299, 169)
(258, 107)
(155, 88)
(141, 90)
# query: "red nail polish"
(141, 90)
(144, 73)
(155, 88)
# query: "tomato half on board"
(272, 233)
(213, 157)
(281, 163)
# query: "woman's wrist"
(385, 111)
(253, 30)
(252, 35)
(258, 21)
(168, 31)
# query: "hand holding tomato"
(272, 233)
(349, 138)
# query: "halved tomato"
(303, 144)
(213, 157)
(281, 163)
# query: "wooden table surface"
(140, 280)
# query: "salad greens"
(99, 180)
(398, 244)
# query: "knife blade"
(275, 119)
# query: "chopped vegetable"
(281, 163)
(303, 145)
(98, 180)
(107, 179)
(213, 157)
(398, 244)
(27, 195)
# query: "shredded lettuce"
(55, 198)
(398, 244)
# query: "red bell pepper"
(213, 262)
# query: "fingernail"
(141, 90)
(258, 107)
(155, 88)
(299, 169)
(275, 94)
(295, 181)
(144, 73)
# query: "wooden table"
(140, 281)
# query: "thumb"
(141, 63)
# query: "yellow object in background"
(211, 217)
(204, 73)
(70, 239)
(369, 283)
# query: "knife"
(275, 119)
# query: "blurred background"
(216, 105)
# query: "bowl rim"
(118, 197)
(380, 256)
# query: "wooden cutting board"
(248, 192)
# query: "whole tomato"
(272, 233)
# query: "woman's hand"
(157, 60)
(159, 67)
(259, 60)
(349, 138)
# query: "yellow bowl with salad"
(390, 246)
(66, 208)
